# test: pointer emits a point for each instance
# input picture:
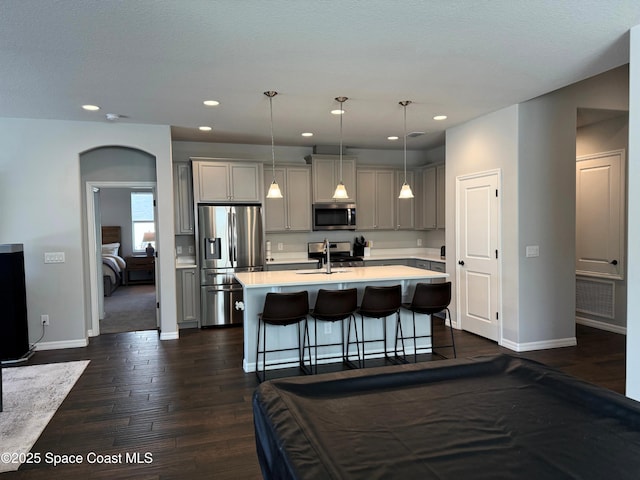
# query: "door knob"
(613, 262)
(461, 262)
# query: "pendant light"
(405, 191)
(341, 191)
(274, 189)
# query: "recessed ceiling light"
(440, 117)
(393, 137)
(91, 108)
(211, 103)
(307, 134)
(337, 112)
(204, 128)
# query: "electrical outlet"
(190, 249)
(419, 242)
(179, 250)
(54, 257)
(327, 328)
(280, 246)
(44, 319)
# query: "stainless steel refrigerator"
(230, 239)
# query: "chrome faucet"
(326, 248)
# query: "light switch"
(53, 257)
(532, 251)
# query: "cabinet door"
(213, 182)
(245, 182)
(183, 198)
(187, 296)
(298, 199)
(429, 198)
(440, 196)
(384, 196)
(405, 207)
(366, 200)
(326, 175)
(275, 214)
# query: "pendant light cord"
(273, 152)
(341, 115)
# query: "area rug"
(31, 395)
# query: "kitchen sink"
(321, 271)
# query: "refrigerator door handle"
(230, 236)
(235, 239)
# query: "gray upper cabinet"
(224, 181)
(292, 213)
(375, 199)
(405, 207)
(326, 175)
(430, 212)
(440, 196)
(183, 198)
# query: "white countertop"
(340, 275)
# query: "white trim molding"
(601, 325)
(62, 344)
(541, 345)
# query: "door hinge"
(496, 253)
(157, 304)
(154, 203)
(497, 316)
(496, 192)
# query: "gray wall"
(633, 236)
(534, 144)
(41, 194)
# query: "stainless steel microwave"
(334, 216)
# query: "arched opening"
(123, 292)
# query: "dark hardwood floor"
(188, 403)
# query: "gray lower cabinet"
(188, 304)
(290, 266)
(392, 261)
(435, 266)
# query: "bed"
(498, 417)
(113, 265)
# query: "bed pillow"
(110, 248)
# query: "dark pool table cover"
(495, 418)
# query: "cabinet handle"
(613, 262)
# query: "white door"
(600, 193)
(477, 254)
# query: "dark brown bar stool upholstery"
(379, 302)
(282, 309)
(429, 299)
(336, 306)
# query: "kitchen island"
(257, 284)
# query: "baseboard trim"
(588, 322)
(542, 345)
(169, 335)
(62, 344)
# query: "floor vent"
(595, 297)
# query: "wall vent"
(595, 297)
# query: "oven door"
(334, 216)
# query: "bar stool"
(379, 302)
(282, 309)
(335, 306)
(429, 299)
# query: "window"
(143, 227)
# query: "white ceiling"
(155, 61)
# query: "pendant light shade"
(405, 191)
(341, 191)
(274, 188)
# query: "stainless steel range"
(339, 254)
